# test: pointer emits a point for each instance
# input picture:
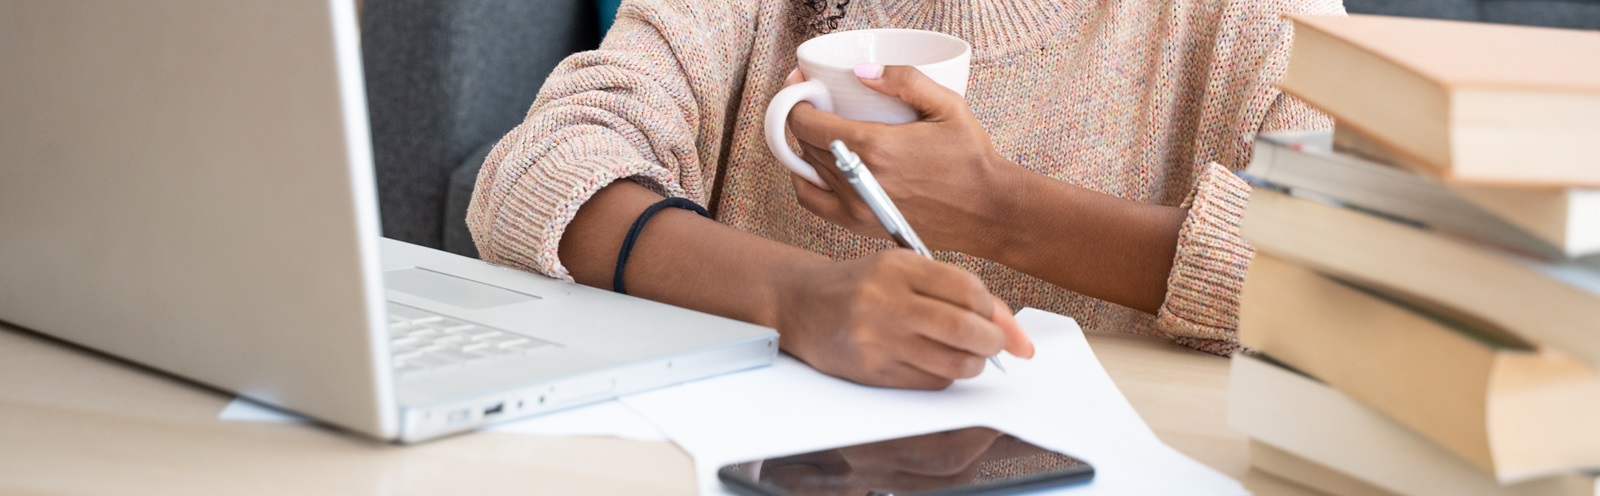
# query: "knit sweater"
(1151, 100)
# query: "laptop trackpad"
(452, 290)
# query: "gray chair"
(447, 78)
(1576, 14)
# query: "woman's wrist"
(1002, 220)
(783, 284)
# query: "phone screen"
(972, 460)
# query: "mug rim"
(966, 48)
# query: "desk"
(73, 422)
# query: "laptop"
(189, 186)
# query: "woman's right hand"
(896, 319)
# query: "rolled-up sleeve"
(1202, 305)
(1201, 309)
(649, 105)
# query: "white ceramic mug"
(829, 63)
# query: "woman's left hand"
(941, 171)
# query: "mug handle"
(778, 117)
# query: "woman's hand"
(895, 319)
(942, 171)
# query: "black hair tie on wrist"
(638, 225)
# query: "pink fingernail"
(791, 74)
(869, 71)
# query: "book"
(1554, 305)
(1307, 164)
(1474, 102)
(1567, 219)
(1512, 410)
(1296, 414)
(1269, 459)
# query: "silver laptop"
(188, 185)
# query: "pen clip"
(846, 160)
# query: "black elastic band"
(638, 225)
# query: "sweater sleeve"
(650, 104)
(1201, 309)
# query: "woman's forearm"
(1110, 248)
(888, 319)
(680, 258)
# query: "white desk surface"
(74, 422)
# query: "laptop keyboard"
(420, 340)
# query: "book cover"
(1298, 415)
(1479, 391)
(1555, 305)
(1474, 102)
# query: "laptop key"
(450, 325)
(404, 340)
(527, 346)
(491, 350)
(508, 343)
(450, 355)
(432, 359)
(431, 346)
(451, 341)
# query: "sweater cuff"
(525, 230)
(1202, 306)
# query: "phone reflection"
(973, 456)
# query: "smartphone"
(966, 461)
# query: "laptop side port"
(497, 409)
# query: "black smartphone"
(967, 461)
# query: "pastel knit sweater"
(1151, 100)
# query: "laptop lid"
(188, 184)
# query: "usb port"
(494, 410)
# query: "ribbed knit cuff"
(1202, 305)
(525, 231)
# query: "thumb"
(794, 77)
(1017, 341)
(911, 86)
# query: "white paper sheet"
(243, 410)
(1062, 399)
(608, 418)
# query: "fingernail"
(792, 74)
(869, 71)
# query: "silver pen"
(882, 207)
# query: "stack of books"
(1425, 299)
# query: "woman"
(1086, 172)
